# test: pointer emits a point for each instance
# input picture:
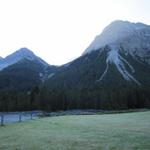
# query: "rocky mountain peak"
(23, 53)
(133, 37)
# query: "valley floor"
(127, 131)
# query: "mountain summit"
(23, 70)
(21, 54)
(133, 37)
(123, 41)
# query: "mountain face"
(123, 46)
(113, 71)
(124, 38)
(134, 38)
(23, 70)
(19, 55)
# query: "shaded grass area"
(127, 131)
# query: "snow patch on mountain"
(104, 73)
(132, 69)
(41, 74)
(113, 57)
(51, 75)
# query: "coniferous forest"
(64, 99)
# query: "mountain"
(123, 46)
(21, 75)
(20, 54)
(23, 70)
(133, 37)
(126, 41)
(112, 73)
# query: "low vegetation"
(127, 131)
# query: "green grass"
(128, 131)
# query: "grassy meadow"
(127, 131)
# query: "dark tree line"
(64, 99)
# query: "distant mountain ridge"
(23, 53)
(112, 73)
(119, 42)
(23, 70)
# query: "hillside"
(112, 73)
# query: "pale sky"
(60, 30)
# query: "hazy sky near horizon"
(60, 30)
